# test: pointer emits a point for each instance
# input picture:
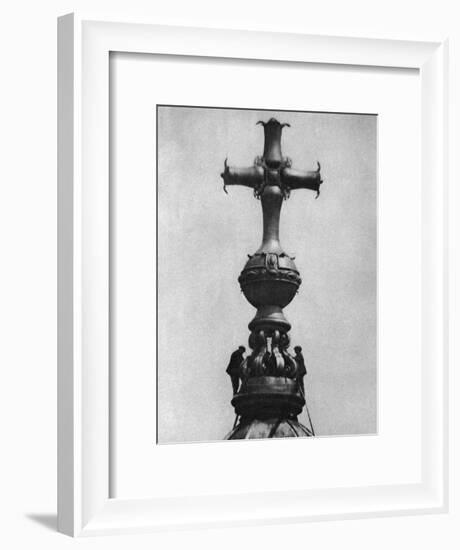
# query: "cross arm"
(252, 176)
(302, 179)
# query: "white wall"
(28, 274)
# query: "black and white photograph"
(267, 274)
(230, 305)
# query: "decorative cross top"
(271, 377)
(272, 169)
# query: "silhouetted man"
(233, 369)
(302, 371)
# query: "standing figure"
(233, 369)
(302, 371)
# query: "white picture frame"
(84, 503)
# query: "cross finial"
(271, 377)
(272, 168)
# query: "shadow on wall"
(46, 520)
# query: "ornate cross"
(271, 391)
(272, 169)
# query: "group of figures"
(238, 368)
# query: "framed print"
(251, 247)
